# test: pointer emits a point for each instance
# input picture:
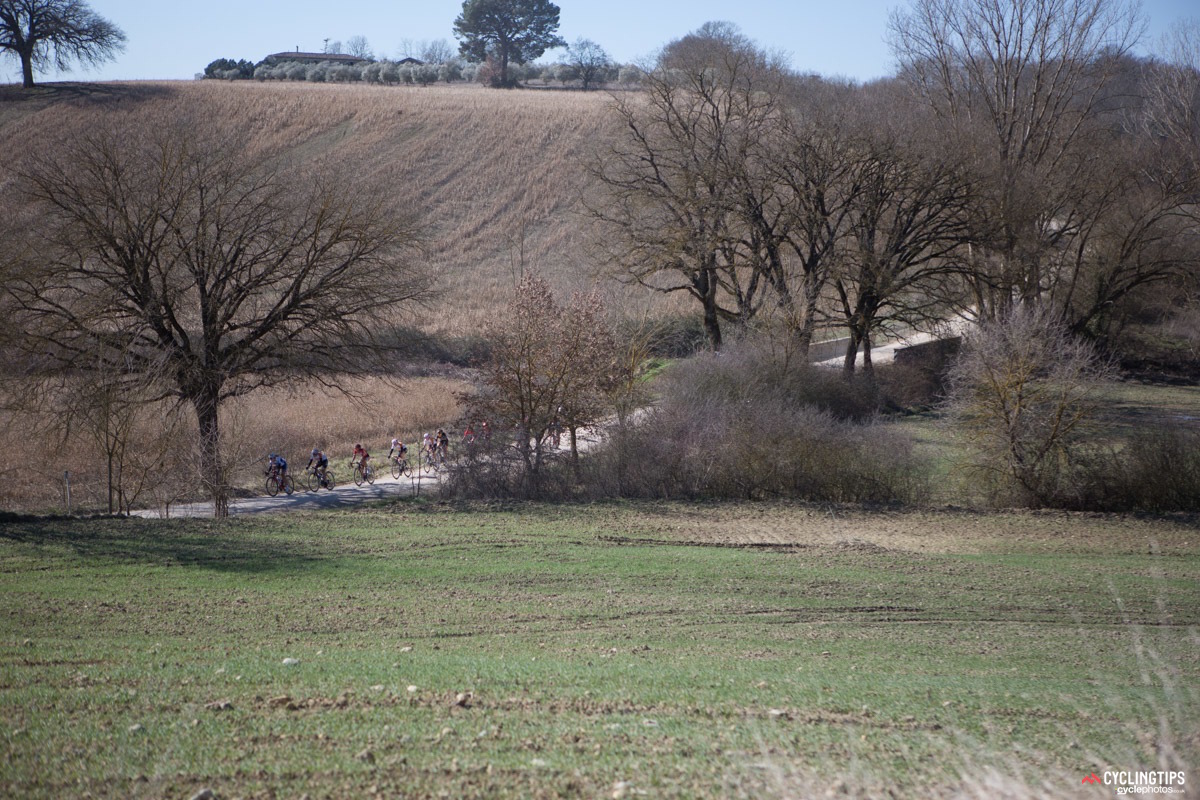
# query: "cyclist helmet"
(316, 452)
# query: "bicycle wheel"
(289, 485)
(396, 471)
(405, 469)
(329, 480)
(272, 486)
(311, 482)
(369, 474)
(358, 475)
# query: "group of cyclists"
(434, 451)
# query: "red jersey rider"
(361, 455)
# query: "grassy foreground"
(601, 651)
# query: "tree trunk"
(111, 488)
(712, 325)
(573, 429)
(868, 367)
(851, 353)
(212, 473)
(27, 68)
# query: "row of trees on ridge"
(1048, 168)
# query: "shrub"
(629, 76)
(750, 372)
(425, 74)
(1153, 470)
(731, 426)
(1024, 393)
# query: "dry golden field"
(496, 177)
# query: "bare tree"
(796, 201)
(436, 51)
(671, 209)
(409, 48)
(1136, 230)
(359, 47)
(1173, 102)
(588, 61)
(1020, 83)
(1024, 393)
(56, 33)
(905, 230)
(166, 257)
(548, 366)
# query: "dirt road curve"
(344, 496)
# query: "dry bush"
(496, 469)
(735, 425)
(157, 469)
(728, 425)
(751, 369)
(1156, 468)
(1025, 394)
(758, 448)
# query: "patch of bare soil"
(787, 526)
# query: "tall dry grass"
(293, 421)
(286, 421)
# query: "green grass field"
(745, 650)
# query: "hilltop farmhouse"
(289, 57)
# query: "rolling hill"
(495, 176)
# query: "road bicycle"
(363, 474)
(275, 483)
(400, 466)
(433, 460)
(314, 480)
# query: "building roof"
(336, 58)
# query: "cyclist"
(361, 456)
(428, 445)
(320, 461)
(443, 442)
(277, 467)
(398, 448)
(469, 434)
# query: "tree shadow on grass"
(230, 546)
(43, 94)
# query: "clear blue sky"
(175, 39)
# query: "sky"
(175, 39)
